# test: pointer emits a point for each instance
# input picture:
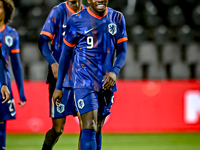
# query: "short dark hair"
(9, 9)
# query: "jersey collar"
(70, 9)
(96, 16)
(3, 28)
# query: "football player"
(9, 40)
(95, 32)
(53, 32)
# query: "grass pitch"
(111, 142)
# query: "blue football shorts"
(7, 110)
(88, 100)
(66, 107)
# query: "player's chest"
(7, 41)
(60, 24)
(99, 27)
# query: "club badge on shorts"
(61, 108)
(9, 41)
(81, 103)
(112, 28)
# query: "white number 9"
(90, 42)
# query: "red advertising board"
(139, 106)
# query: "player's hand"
(5, 93)
(109, 80)
(54, 68)
(57, 95)
(22, 103)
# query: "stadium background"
(158, 88)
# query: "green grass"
(111, 142)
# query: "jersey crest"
(9, 41)
(112, 28)
(61, 108)
(81, 103)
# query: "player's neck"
(75, 8)
(80, 8)
(1, 24)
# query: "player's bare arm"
(109, 79)
(5, 93)
(57, 95)
(54, 68)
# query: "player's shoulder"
(117, 16)
(114, 12)
(58, 8)
(79, 15)
(10, 30)
(61, 6)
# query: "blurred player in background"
(4, 97)
(96, 33)
(52, 33)
(9, 49)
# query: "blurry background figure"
(9, 50)
(50, 41)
